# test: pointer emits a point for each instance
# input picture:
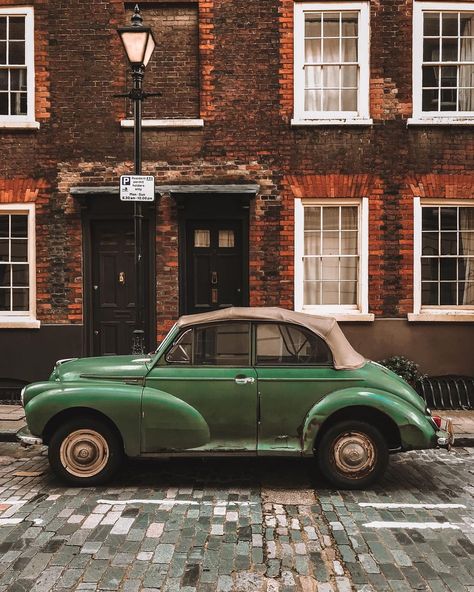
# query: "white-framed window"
(17, 68)
(444, 257)
(331, 63)
(443, 62)
(17, 265)
(331, 257)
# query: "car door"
(208, 368)
(294, 371)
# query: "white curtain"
(466, 219)
(466, 74)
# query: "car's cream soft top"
(344, 355)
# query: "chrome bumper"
(445, 435)
(27, 439)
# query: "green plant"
(405, 368)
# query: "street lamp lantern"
(139, 43)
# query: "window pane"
(466, 99)
(449, 76)
(19, 226)
(313, 77)
(330, 243)
(17, 27)
(223, 345)
(5, 299)
(430, 269)
(226, 239)
(448, 100)
(349, 271)
(449, 243)
(312, 243)
(3, 52)
(430, 100)
(313, 51)
(18, 103)
(349, 243)
(288, 345)
(4, 250)
(312, 269)
(331, 50)
(4, 80)
(466, 76)
(312, 218)
(313, 25)
(431, 23)
(202, 239)
(331, 76)
(349, 100)
(466, 24)
(349, 24)
(17, 79)
(4, 225)
(5, 275)
(431, 50)
(449, 218)
(330, 269)
(330, 218)
(466, 294)
(331, 100)
(20, 299)
(429, 293)
(4, 104)
(448, 293)
(16, 52)
(449, 50)
(19, 275)
(330, 293)
(349, 218)
(349, 50)
(448, 269)
(466, 219)
(182, 351)
(430, 242)
(462, 266)
(430, 218)
(430, 76)
(348, 293)
(349, 76)
(331, 25)
(19, 250)
(312, 293)
(449, 24)
(3, 27)
(466, 243)
(312, 100)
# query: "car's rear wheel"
(352, 454)
(85, 451)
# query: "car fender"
(120, 403)
(416, 431)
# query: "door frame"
(107, 209)
(213, 207)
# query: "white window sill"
(440, 121)
(165, 123)
(343, 316)
(19, 125)
(19, 322)
(442, 317)
(320, 122)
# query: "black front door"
(214, 265)
(113, 286)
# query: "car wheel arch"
(73, 413)
(380, 420)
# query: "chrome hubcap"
(354, 454)
(84, 453)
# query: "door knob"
(121, 278)
(96, 332)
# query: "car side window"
(181, 352)
(282, 344)
(225, 344)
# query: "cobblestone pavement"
(237, 525)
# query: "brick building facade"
(316, 156)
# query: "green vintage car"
(239, 381)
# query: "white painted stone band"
(396, 506)
(412, 525)
(174, 502)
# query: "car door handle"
(244, 379)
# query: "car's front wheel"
(352, 454)
(85, 451)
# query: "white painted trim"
(300, 115)
(19, 125)
(421, 117)
(359, 312)
(433, 316)
(319, 122)
(165, 123)
(416, 255)
(12, 319)
(28, 120)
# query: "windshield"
(162, 341)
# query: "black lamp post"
(139, 43)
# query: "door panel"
(214, 267)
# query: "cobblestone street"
(237, 525)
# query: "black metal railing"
(10, 392)
(448, 392)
